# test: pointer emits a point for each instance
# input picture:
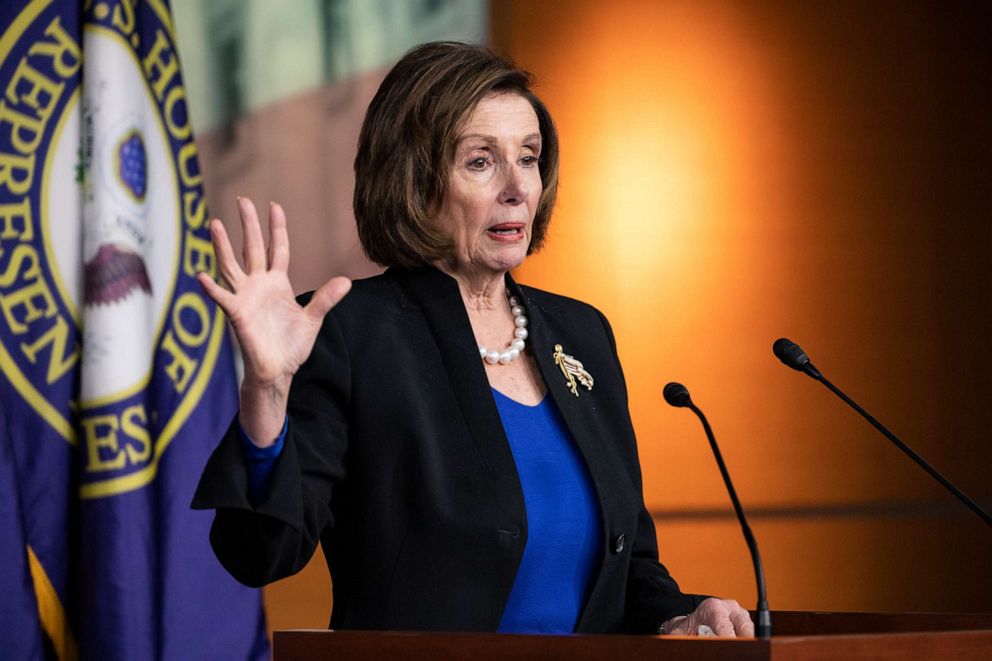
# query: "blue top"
(564, 525)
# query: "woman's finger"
(253, 246)
(742, 622)
(278, 238)
(721, 625)
(220, 296)
(326, 297)
(227, 264)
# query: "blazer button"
(618, 542)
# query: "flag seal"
(104, 331)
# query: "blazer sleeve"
(652, 595)
(277, 537)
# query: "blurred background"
(732, 172)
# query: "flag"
(20, 623)
(117, 371)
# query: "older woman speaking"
(460, 444)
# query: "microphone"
(678, 396)
(792, 355)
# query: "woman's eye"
(478, 163)
(529, 160)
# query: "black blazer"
(396, 461)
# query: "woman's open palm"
(276, 334)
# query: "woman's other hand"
(713, 617)
(276, 334)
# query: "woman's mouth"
(506, 231)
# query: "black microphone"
(790, 354)
(678, 395)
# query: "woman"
(460, 444)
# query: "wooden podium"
(798, 636)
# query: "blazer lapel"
(579, 412)
(438, 297)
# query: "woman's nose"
(514, 186)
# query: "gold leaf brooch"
(573, 371)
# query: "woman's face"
(494, 187)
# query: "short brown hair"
(407, 144)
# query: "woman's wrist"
(263, 410)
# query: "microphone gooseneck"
(793, 356)
(677, 395)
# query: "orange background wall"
(734, 172)
(738, 171)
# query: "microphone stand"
(793, 356)
(763, 627)
(815, 374)
(677, 395)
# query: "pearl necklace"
(519, 335)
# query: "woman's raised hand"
(276, 334)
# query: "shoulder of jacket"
(375, 291)
(557, 304)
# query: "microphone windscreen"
(676, 394)
(790, 353)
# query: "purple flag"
(117, 371)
